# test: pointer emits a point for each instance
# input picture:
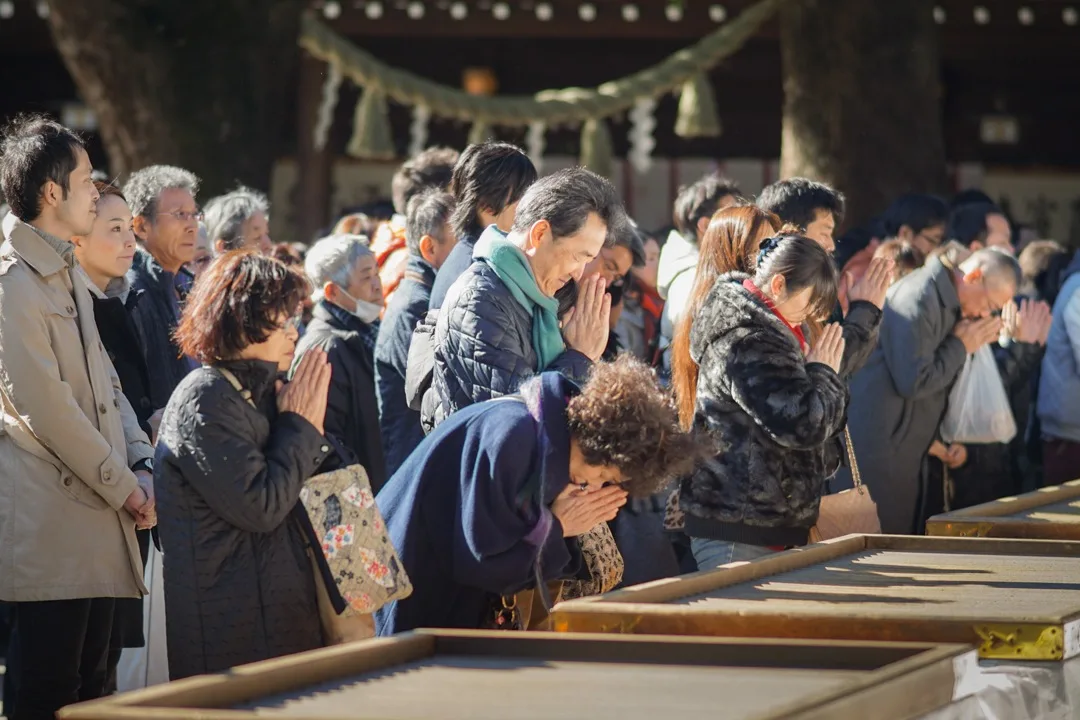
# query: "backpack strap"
(235, 382)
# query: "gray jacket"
(899, 397)
(1059, 387)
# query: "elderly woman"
(239, 220)
(235, 449)
(345, 325)
(498, 495)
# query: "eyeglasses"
(934, 240)
(184, 216)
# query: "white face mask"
(366, 312)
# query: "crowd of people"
(517, 365)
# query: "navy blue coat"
(400, 425)
(483, 345)
(456, 263)
(468, 512)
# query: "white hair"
(332, 260)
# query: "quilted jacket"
(483, 346)
(775, 417)
(238, 580)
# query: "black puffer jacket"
(775, 417)
(238, 582)
(483, 345)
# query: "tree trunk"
(862, 93)
(202, 84)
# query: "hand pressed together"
(587, 324)
(829, 348)
(306, 393)
(580, 511)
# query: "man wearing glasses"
(166, 223)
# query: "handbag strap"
(235, 382)
(855, 476)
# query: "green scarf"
(513, 268)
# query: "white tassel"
(642, 142)
(418, 131)
(325, 117)
(534, 144)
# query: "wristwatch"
(146, 465)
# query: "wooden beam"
(311, 196)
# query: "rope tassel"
(596, 151)
(697, 109)
(480, 132)
(371, 137)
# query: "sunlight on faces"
(436, 250)
(981, 297)
(998, 234)
(649, 272)
(76, 208)
(278, 347)
(364, 284)
(170, 239)
(556, 262)
(589, 478)
(795, 308)
(821, 229)
(611, 264)
(107, 251)
(256, 233)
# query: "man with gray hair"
(345, 325)
(166, 223)
(239, 219)
(429, 238)
(500, 322)
(932, 320)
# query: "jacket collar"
(45, 253)
(944, 279)
(421, 267)
(336, 317)
(117, 288)
(256, 376)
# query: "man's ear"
(702, 226)
(219, 247)
(536, 234)
(51, 194)
(140, 225)
(427, 249)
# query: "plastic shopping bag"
(979, 410)
(148, 665)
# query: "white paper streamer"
(534, 144)
(326, 107)
(418, 131)
(642, 143)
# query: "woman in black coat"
(104, 257)
(234, 452)
(773, 404)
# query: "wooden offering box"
(1015, 599)
(454, 675)
(1050, 513)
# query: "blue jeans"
(711, 554)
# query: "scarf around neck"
(512, 267)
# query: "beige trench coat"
(67, 436)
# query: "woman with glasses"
(235, 449)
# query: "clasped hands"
(140, 504)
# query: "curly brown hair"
(623, 418)
(238, 301)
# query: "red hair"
(730, 244)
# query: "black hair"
(430, 169)
(427, 214)
(797, 201)
(851, 243)
(701, 200)
(633, 238)
(967, 223)
(917, 211)
(566, 199)
(489, 176)
(34, 151)
(804, 264)
(971, 196)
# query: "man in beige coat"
(75, 469)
